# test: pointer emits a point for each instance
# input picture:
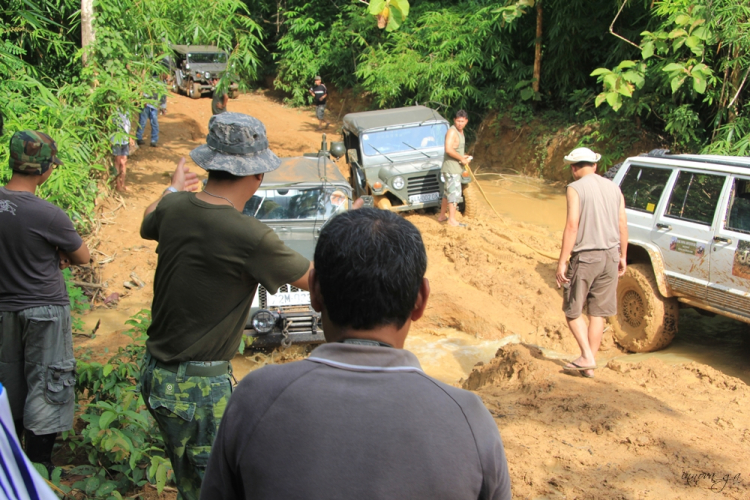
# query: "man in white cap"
(211, 260)
(595, 240)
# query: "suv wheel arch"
(644, 254)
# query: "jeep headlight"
(187, 66)
(264, 321)
(208, 75)
(398, 182)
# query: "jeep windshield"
(297, 204)
(404, 139)
(208, 58)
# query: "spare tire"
(645, 320)
(471, 201)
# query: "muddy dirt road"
(642, 429)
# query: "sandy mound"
(646, 430)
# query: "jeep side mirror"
(353, 157)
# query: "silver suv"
(689, 244)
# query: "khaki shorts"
(452, 187)
(37, 367)
(593, 282)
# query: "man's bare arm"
(623, 238)
(569, 235)
(304, 282)
(78, 257)
(182, 180)
(451, 143)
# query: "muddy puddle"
(526, 199)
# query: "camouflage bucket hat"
(32, 152)
(237, 144)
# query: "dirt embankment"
(634, 431)
(537, 149)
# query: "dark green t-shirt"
(211, 259)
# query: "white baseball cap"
(582, 154)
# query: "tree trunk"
(538, 48)
(87, 26)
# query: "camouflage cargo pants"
(188, 410)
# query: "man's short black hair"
(583, 164)
(462, 114)
(369, 264)
(222, 175)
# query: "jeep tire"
(194, 90)
(471, 199)
(645, 320)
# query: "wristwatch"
(170, 189)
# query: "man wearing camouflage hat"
(37, 240)
(211, 260)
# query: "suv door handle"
(663, 226)
(719, 239)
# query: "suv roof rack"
(713, 159)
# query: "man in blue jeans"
(150, 113)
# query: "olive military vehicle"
(195, 69)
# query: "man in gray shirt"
(37, 239)
(595, 240)
(359, 418)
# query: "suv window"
(642, 187)
(738, 216)
(695, 196)
(300, 204)
(404, 139)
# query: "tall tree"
(87, 26)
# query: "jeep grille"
(423, 184)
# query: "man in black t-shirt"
(37, 240)
(320, 95)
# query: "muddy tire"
(471, 201)
(194, 90)
(234, 93)
(383, 203)
(645, 320)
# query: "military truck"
(296, 201)
(395, 156)
(195, 69)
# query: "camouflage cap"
(32, 152)
(237, 144)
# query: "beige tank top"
(599, 224)
(451, 166)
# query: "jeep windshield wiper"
(415, 149)
(378, 152)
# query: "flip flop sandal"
(575, 367)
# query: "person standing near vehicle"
(453, 166)
(320, 95)
(211, 260)
(121, 148)
(359, 418)
(37, 240)
(595, 240)
(219, 100)
(151, 114)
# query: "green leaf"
(669, 68)
(107, 370)
(600, 99)
(701, 32)
(600, 71)
(692, 41)
(41, 469)
(699, 84)
(647, 50)
(399, 9)
(677, 33)
(682, 19)
(626, 64)
(376, 7)
(635, 78)
(107, 418)
(527, 93)
(161, 477)
(677, 83)
(610, 81)
(91, 485)
(106, 488)
(614, 99)
(625, 89)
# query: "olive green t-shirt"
(450, 165)
(211, 259)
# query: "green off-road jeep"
(395, 156)
(296, 201)
(195, 69)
